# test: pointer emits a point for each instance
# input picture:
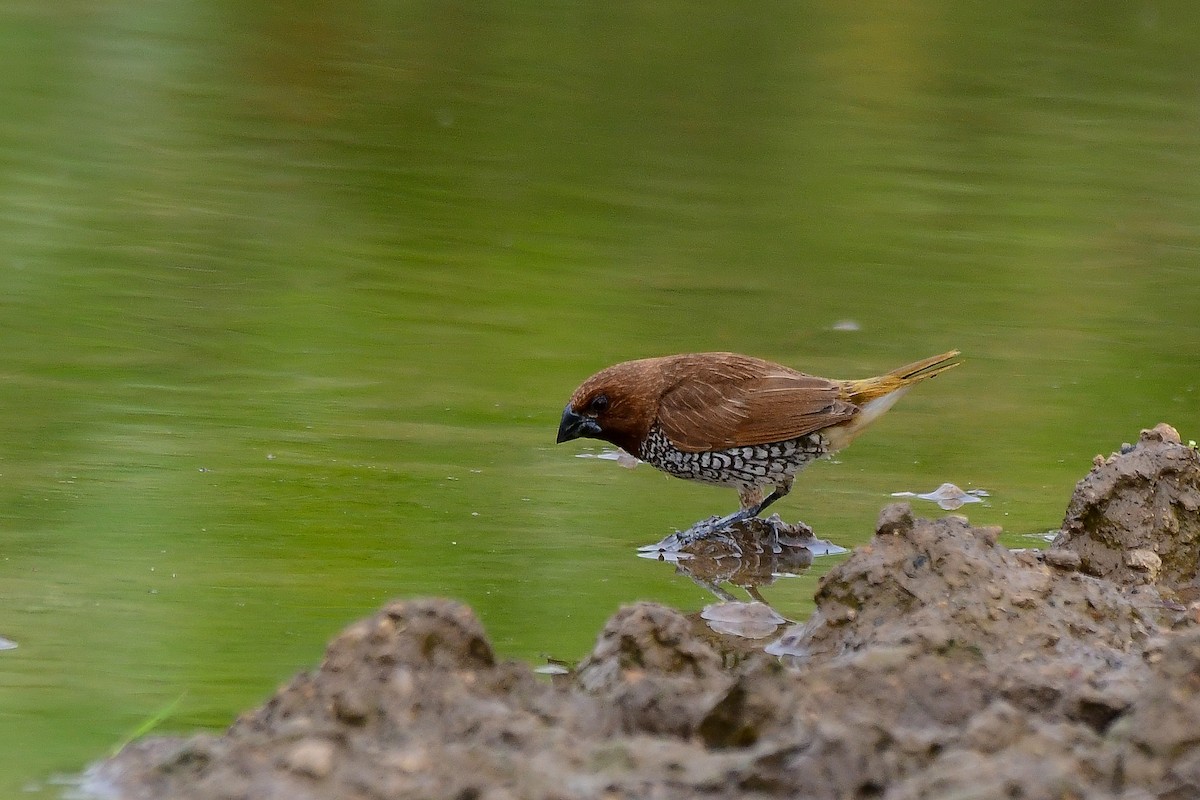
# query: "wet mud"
(939, 664)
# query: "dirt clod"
(937, 664)
(1135, 518)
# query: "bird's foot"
(715, 528)
(738, 534)
(712, 528)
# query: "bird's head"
(616, 405)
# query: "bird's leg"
(714, 587)
(781, 490)
(756, 595)
(753, 504)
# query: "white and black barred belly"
(754, 465)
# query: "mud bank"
(938, 665)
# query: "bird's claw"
(770, 534)
(713, 527)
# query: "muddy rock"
(944, 585)
(1039, 761)
(1135, 518)
(654, 671)
(410, 702)
(1159, 740)
(938, 664)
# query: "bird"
(733, 420)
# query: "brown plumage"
(733, 420)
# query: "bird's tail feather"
(874, 396)
(864, 391)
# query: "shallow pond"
(293, 299)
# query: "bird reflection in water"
(748, 555)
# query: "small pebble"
(411, 760)
(350, 707)
(895, 518)
(1162, 432)
(1144, 560)
(1063, 559)
(311, 757)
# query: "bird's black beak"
(575, 426)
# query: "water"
(293, 297)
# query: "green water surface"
(292, 296)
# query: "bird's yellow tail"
(874, 396)
(863, 391)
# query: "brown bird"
(733, 420)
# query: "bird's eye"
(599, 403)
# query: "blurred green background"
(293, 295)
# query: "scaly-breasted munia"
(733, 420)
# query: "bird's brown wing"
(745, 402)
